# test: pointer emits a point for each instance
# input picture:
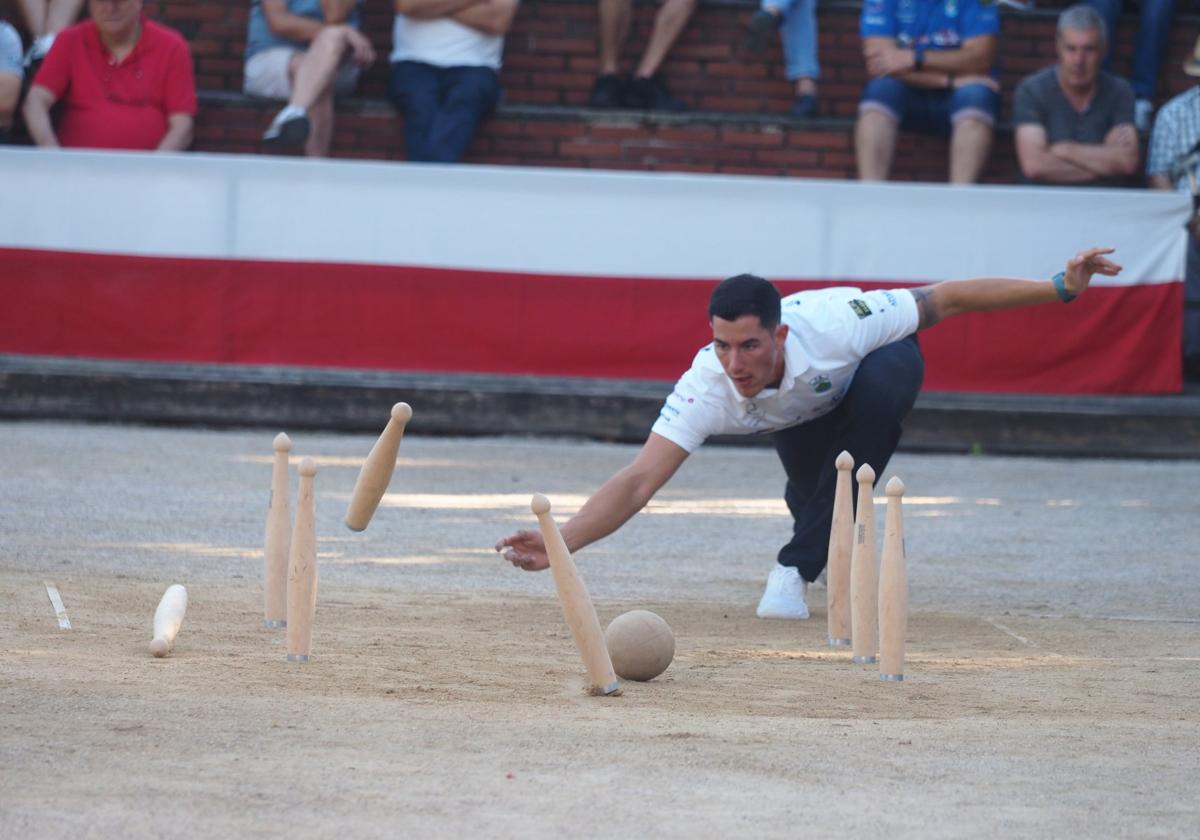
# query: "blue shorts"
(930, 111)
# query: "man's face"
(1079, 57)
(115, 17)
(751, 355)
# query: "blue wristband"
(1060, 287)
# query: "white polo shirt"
(443, 42)
(829, 332)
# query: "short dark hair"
(745, 294)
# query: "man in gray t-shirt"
(12, 71)
(1074, 123)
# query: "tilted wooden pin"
(577, 605)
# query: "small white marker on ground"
(64, 623)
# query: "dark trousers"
(866, 424)
(442, 107)
(1150, 47)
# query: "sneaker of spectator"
(289, 130)
(1019, 5)
(651, 94)
(804, 107)
(646, 89)
(609, 91)
(762, 23)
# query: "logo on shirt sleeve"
(820, 384)
(860, 308)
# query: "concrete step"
(274, 398)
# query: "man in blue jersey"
(823, 371)
(930, 63)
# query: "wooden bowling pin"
(893, 589)
(168, 618)
(279, 532)
(377, 470)
(837, 566)
(864, 576)
(577, 605)
(302, 569)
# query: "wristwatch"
(918, 56)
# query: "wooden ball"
(640, 644)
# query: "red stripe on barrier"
(1112, 340)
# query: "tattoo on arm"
(927, 314)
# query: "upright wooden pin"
(577, 605)
(837, 566)
(377, 470)
(279, 530)
(893, 589)
(302, 569)
(168, 618)
(864, 574)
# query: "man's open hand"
(1083, 265)
(525, 550)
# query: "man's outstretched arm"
(617, 500)
(954, 297)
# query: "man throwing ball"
(824, 371)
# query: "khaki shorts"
(266, 74)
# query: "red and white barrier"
(255, 260)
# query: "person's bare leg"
(806, 87)
(970, 143)
(874, 145)
(320, 117)
(672, 17)
(314, 76)
(34, 12)
(615, 17)
(62, 13)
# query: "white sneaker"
(289, 129)
(784, 595)
(38, 49)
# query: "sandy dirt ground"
(1053, 677)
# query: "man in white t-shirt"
(445, 71)
(824, 371)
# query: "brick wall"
(739, 102)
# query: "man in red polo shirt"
(124, 82)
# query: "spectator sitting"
(44, 19)
(646, 89)
(304, 51)
(1154, 27)
(1074, 122)
(1173, 162)
(11, 76)
(797, 22)
(930, 63)
(125, 82)
(445, 79)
